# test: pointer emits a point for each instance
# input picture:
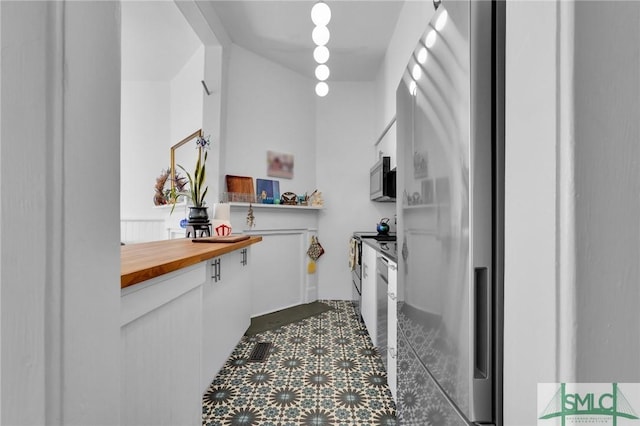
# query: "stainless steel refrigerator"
(450, 139)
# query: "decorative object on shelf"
(279, 165)
(314, 252)
(267, 191)
(240, 189)
(251, 219)
(289, 199)
(222, 219)
(303, 199)
(315, 199)
(162, 194)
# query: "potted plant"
(197, 191)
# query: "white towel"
(353, 247)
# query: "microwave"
(382, 181)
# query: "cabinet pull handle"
(216, 270)
(392, 296)
(393, 353)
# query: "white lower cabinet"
(369, 308)
(177, 330)
(226, 310)
(160, 335)
(392, 331)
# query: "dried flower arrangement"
(162, 195)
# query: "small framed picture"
(279, 165)
(268, 191)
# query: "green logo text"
(612, 404)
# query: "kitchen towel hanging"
(314, 252)
(353, 248)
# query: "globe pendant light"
(321, 54)
(322, 88)
(320, 35)
(322, 72)
(321, 14)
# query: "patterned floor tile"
(320, 371)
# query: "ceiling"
(157, 39)
(281, 31)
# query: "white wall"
(60, 317)
(343, 154)
(268, 107)
(145, 145)
(186, 114)
(571, 278)
(24, 265)
(530, 207)
(607, 176)
(186, 102)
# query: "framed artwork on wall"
(268, 191)
(279, 165)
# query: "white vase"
(221, 222)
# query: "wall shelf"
(274, 206)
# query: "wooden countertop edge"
(215, 249)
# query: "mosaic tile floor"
(320, 371)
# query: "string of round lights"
(321, 16)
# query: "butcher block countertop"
(143, 261)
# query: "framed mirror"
(194, 135)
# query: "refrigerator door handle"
(481, 321)
(482, 344)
